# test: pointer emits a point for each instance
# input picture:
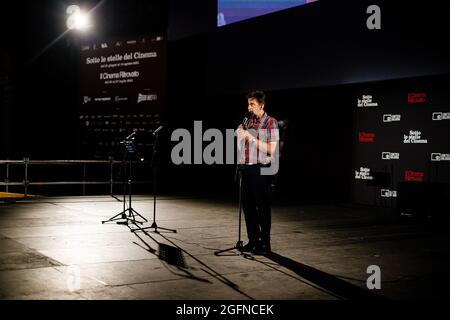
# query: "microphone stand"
(238, 175)
(239, 244)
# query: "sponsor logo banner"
(414, 136)
(416, 176)
(363, 174)
(366, 101)
(390, 155)
(391, 117)
(438, 116)
(440, 157)
(386, 193)
(366, 137)
(146, 97)
(120, 99)
(415, 97)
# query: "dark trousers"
(256, 203)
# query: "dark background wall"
(319, 44)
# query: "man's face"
(254, 107)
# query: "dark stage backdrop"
(401, 140)
(122, 90)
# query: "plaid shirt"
(265, 130)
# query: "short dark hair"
(259, 96)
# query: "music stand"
(154, 165)
(130, 151)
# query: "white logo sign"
(363, 174)
(440, 157)
(414, 136)
(386, 193)
(437, 116)
(390, 155)
(147, 97)
(391, 117)
(366, 101)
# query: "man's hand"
(243, 134)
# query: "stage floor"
(57, 248)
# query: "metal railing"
(26, 183)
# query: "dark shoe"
(249, 247)
(262, 249)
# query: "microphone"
(158, 130)
(246, 119)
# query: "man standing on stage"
(257, 145)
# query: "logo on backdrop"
(367, 101)
(363, 174)
(86, 99)
(440, 157)
(118, 99)
(386, 193)
(414, 97)
(366, 137)
(390, 155)
(146, 97)
(414, 136)
(416, 176)
(102, 99)
(391, 117)
(437, 116)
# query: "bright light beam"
(77, 19)
(43, 50)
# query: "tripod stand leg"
(167, 229)
(122, 215)
(216, 253)
(132, 217)
(138, 214)
(239, 247)
(156, 227)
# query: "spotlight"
(77, 19)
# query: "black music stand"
(155, 171)
(130, 152)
